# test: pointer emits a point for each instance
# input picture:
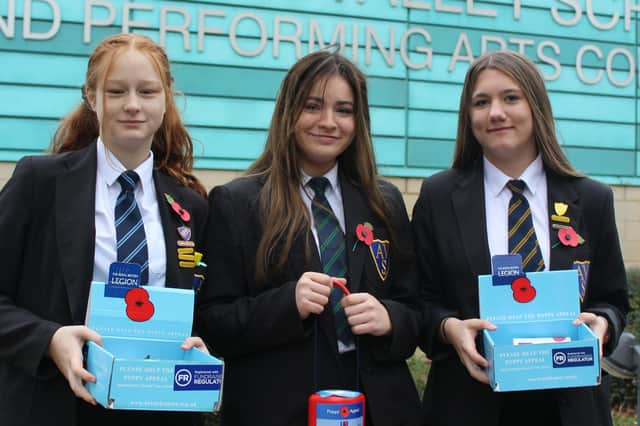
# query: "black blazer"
(47, 225)
(268, 349)
(452, 249)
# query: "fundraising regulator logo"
(197, 377)
(572, 357)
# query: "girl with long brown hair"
(508, 161)
(311, 210)
(101, 197)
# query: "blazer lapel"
(75, 227)
(468, 207)
(560, 190)
(170, 225)
(356, 210)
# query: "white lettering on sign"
(250, 33)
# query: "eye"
(478, 103)
(149, 91)
(114, 91)
(512, 98)
(346, 110)
(312, 106)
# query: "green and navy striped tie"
(332, 253)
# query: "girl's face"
(502, 122)
(130, 107)
(326, 125)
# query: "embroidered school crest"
(380, 252)
(583, 275)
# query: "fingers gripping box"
(539, 308)
(141, 365)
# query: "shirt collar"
(331, 175)
(496, 180)
(110, 168)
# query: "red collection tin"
(336, 408)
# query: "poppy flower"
(568, 237)
(364, 234)
(177, 208)
(139, 307)
(523, 291)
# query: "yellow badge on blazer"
(379, 250)
(561, 210)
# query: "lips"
(499, 129)
(329, 138)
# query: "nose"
(327, 119)
(132, 103)
(496, 111)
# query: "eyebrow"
(504, 92)
(113, 80)
(319, 99)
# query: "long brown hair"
(284, 215)
(519, 68)
(172, 146)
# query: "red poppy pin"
(568, 237)
(364, 232)
(182, 213)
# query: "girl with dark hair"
(62, 227)
(506, 150)
(311, 210)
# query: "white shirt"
(333, 194)
(107, 191)
(496, 205)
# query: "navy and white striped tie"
(131, 242)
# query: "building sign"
(415, 53)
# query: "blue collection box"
(547, 311)
(141, 365)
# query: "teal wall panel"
(414, 81)
(602, 161)
(390, 151)
(594, 134)
(430, 153)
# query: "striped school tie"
(131, 240)
(332, 253)
(522, 235)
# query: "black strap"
(315, 357)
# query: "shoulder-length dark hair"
(172, 146)
(524, 72)
(284, 215)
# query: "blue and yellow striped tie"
(131, 241)
(332, 253)
(522, 235)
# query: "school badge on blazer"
(379, 250)
(582, 266)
